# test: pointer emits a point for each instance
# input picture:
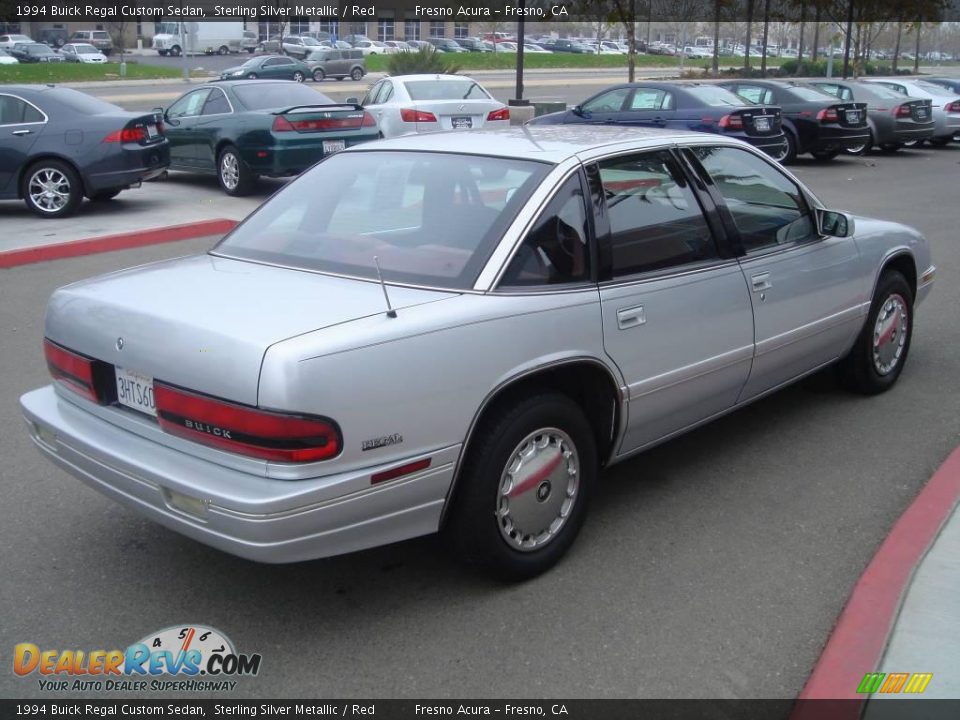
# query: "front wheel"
(525, 487)
(235, 177)
(860, 149)
(224, 50)
(298, 76)
(52, 189)
(251, 76)
(175, 51)
(880, 352)
(356, 74)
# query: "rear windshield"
(278, 95)
(40, 47)
(464, 89)
(429, 218)
(808, 93)
(716, 96)
(83, 103)
(886, 93)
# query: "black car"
(58, 145)
(813, 121)
(565, 45)
(473, 44)
(34, 53)
(894, 120)
(682, 106)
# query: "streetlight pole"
(518, 100)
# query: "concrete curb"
(857, 643)
(76, 248)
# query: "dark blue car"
(58, 146)
(687, 106)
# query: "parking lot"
(713, 566)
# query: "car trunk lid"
(204, 322)
(760, 121)
(456, 114)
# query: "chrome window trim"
(669, 273)
(45, 120)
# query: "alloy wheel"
(49, 190)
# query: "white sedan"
(408, 104)
(82, 53)
(6, 59)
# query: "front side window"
(767, 207)
(656, 221)
(430, 218)
(386, 92)
(555, 251)
(371, 95)
(606, 102)
(189, 105)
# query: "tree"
(118, 34)
(625, 12)
(747, 43)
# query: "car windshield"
(429, 218)
(266, 96)
(455, 89)
(716, 96)
(37, 48)
(309, 41)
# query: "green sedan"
(276, 67)
(240, 130)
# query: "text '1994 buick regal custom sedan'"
(458, 333)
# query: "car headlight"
(237, 72)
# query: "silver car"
(407, 104)
(458, 333)
(945, 104)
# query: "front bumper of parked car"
(266, 520)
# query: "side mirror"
(834, 224)
(353, 101)
(578, 111)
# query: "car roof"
(547, 143)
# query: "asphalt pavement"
(713, 566)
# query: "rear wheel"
(941, 141)
(525, 488)
(251, 76)
(356, 74)
(880, 352)
(298, 76)
(892, 147)
(175, 51)
(790, 154)
(105, 195)
(824, 155)
(224, 50)
(235, 177)
(860, 149)
(319, 75)
(52, 189)
(163, 53)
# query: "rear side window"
(14, 111)
(650, 99)
(555, 251)
(216, 104)
(754, 94)
(766, 205)
(656, 221)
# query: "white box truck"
(195, 38)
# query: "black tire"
(244, 180)
(340, 77)
(223, 50)
(319, 75)
(175, 51)
(356, 74)
(910, 144)
(251, 76)
(891, 147)
(941, 141)
(478, 532)
(860, 370)
(105, 195)
(791, 154)
(824, 155)
(66, 180)
(861, 149)
(251, 51)
(299, 77)
(163, 53)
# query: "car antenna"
(390, 311)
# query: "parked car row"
(785, 118)
(57, 38)
(38, 52)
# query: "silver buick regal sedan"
(456, 332)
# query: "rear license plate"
(921, 113)
(332, 146)
(853, 116)
(762, 124)
(135, 390)
(151, 131)
(459, 123)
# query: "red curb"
(75, 248)
(858, 640)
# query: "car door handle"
(631, 317)
(761, 282)
(22, 132)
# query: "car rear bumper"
(292, 159)
(772, 144)
(908, 132)
(254, 517)
(130, 165)
(839, 138)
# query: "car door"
(181, 121)
(276, 68)
(215, 121)
(809, 293)
(677, 319)
(21, 123)
(387, 117)
(649, 107)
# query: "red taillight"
(828, 115)
(281, 124)
(244, 430)
(501, 114)
(127, 135)
(731, 122)
(417, 116)
(71, 370)
(952, 106)
(352, 122)
(901, 111)
(369, 120)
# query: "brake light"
(418, 116)
(257, 433)
(952, 106)
(731, 122)
(71, 370)
(501, 114)
(828, 115)
(281, 124)
(368, 120)
(901, 111)
(160, 128)
(127, 135)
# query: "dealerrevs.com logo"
(181, 658)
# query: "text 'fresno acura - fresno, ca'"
(457, 333)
